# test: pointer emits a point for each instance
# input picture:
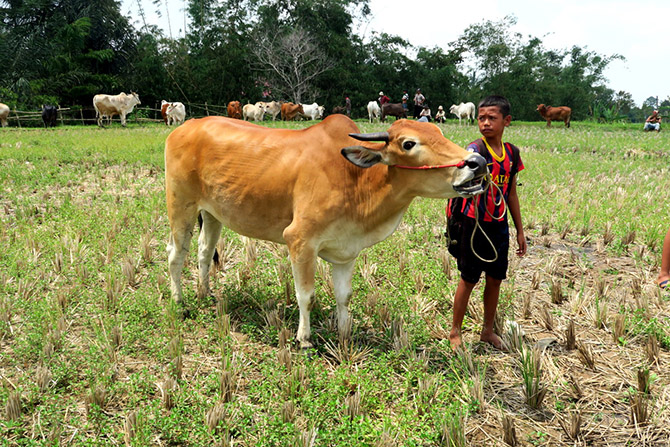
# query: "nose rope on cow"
(489, 182)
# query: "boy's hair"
(496, 101)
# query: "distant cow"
(235, 110)
(4, 113)
(373, 111)
(164, 107)
(110, 105)
(395, 109)
(313, 111)
(549, 113)
(49, 115)
(339, 110)
(271, 108)
(289, 111)
(253, 111)
(176, 113)
(463, 110)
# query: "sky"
(630, 28)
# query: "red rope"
(460, 164)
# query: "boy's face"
(491, 121)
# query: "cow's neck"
(384, 199)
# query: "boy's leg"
(664, 274)
(461, 299)
(491, 294)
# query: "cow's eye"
(407, 145)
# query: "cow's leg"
(548, 123)
(303, 264)
(342, 274)
(209, 236)
(123, 119)
(181, 231)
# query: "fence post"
(62, 123)
(206, 109)
(18, 120)
(81, 113)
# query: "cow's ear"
(362, 156)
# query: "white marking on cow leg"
(209, 236)
(180, 240)
(342, 274)
(303, 275)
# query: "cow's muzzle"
(471, 178)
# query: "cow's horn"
(375, 136)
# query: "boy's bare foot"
(455, 340)
(492, 338)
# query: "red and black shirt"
(503, 169)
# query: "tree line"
(66, 51)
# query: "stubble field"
(92, 351)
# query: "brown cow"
(164, 107)
(396, 110)
(561, 113)
(307, 189)
(289, 111)
(235, 110)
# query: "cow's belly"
(261, 224)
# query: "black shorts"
(470, 266)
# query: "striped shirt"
(503, 169)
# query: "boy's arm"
(515, 211)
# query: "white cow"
(253, 111)
(110, 105)
(176, 113)
(271, 108)
(313, 111)
(463, 110)
(4, 113)
(374, 111)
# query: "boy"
(504, 162)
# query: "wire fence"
(78, 115)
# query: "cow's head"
(135, 98)
(541, 108)
(439, 168)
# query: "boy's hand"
(521, 240)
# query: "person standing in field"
(487, 252)
(418, 103)
(405, 100)
(347, 105)
(383, 99)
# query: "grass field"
(92, 351)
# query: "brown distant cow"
(549, 113)
(289, 111)
(396, 110)
(164, 107)
(325, 191)
(235, 110)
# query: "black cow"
(396, 110)
(49, 115)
